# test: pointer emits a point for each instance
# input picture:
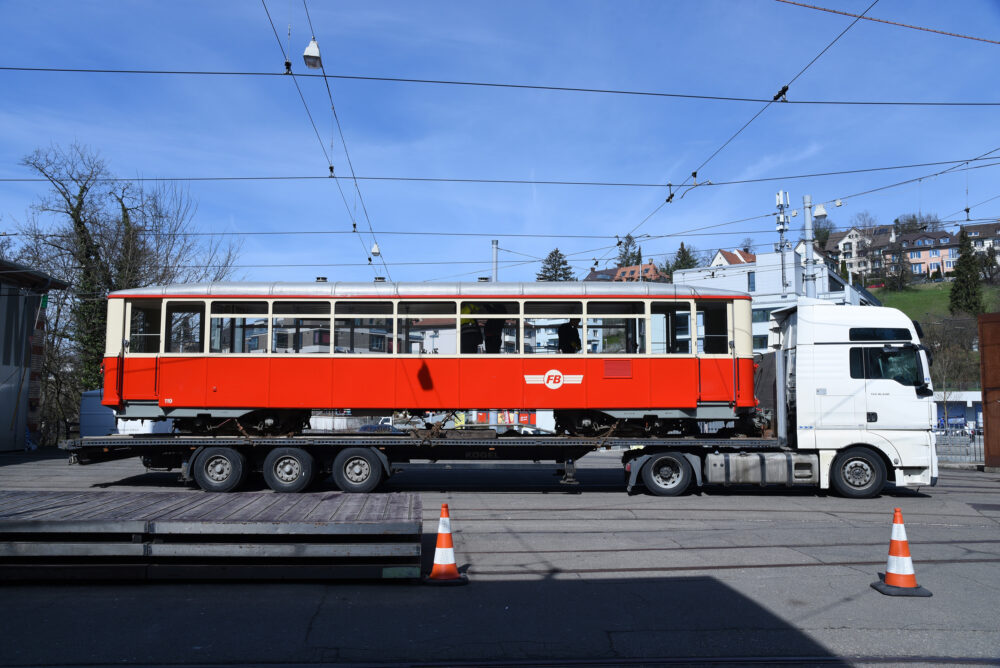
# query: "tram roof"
(566, 289)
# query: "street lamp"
(311, 55)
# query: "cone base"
(462, 579)
(889, 590)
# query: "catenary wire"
(305, 105)
(693, 178)
(532, 182)
(343, 142)
(446, 82)
(888, 22)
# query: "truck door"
(895, 384)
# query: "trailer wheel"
(667, 474)
(289, 469)
(858, 473)
(357, 470)
(220, 469)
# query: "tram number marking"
(553, 379)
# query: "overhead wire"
(481, 181)
(888, 22)
(329, 162)
(485, 84)
(343, 142)
(781, 95)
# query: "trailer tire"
(357, 470)
(289, 469)
(220, 469)
(667, 474)
(858, 473)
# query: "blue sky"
(256, 126)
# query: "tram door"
(137, 377)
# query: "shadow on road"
(558, 619)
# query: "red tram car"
(651, 358)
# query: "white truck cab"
(858, 394)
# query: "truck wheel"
(357, 470)
(667, 474)
(220, 469)
(289, 469)
(858, 473)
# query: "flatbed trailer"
(360, 462)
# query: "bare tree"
(955, 365)
(101, 234)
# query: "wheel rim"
(218, 468)
(357, 469)
(667, 473)
(287, 469)
(858, 473)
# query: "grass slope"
(930, 301)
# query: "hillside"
(929, 301)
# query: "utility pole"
(495, 243)
(782, 227)
(810, 272)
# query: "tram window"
(363, 308)
(300, 335)
(238, 335)
(713, 327)
(427, 308)
(616, 336)
(491, 308)
(489, 336)
(241, 307)
(427, 336)
(144, 328)
(303, 308)
(552, 336)
(185, 327)
(362, 336)
(670, 329)
(616, 308)
(552, 308)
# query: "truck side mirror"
(924, 391)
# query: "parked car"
(379, 429)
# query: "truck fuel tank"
(762, 468)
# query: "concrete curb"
(960, 466)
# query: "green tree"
(843, 269)
(629, 252)
(966, 290)
(684, 259)
(822, 227)
(555, 268)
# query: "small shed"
(23, 297)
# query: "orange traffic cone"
(900, 580)
(445, 570)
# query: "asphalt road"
(562, 576)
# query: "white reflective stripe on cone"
(900, 566)
(444, 555)
(444, 526)
(898, 532)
